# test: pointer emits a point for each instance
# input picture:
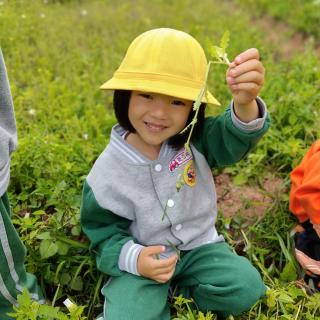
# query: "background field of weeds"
(57, 55)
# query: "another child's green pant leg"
(129, 297)
(219, 280)
(13, 275)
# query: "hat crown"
(167, 52)
(164, 61)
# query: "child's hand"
(151, 267)
(245, 78)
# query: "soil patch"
(279, 32)
(249, 201)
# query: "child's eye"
(178, 103)
(146, 95)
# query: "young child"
(305, 204)
(13, 275)
(149, 207)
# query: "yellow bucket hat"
(165, 61)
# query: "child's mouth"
(155, 127)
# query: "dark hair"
(121, 99)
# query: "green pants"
(13, 275)
(215, 277)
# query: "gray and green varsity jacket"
(130, 201)
(13, 275)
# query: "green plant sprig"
(219, 53)
(219, 56)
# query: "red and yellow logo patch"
(189, 174)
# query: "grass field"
(58, 53)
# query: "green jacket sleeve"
(106, 231)
(222, 143)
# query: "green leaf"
(38, 213)
(77, 284)
(65, 278)
(76, 230)
(48, 248)
(293, 119)
(225, 40)
(271, 298)
(285, 298)
(63, 248)
(240, 179)
(49, 312)
(289, 272)
(219, 51)
(44, 235)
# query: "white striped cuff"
(4, 178)
(253, 125)
(129, 257)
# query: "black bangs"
(121, 99)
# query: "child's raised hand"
(245, 77)
(160, 270)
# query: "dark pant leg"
(219, 280)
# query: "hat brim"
(159, 86)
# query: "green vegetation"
(57, 55)
(302, 15)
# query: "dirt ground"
(249, 201)
(288, 43)
(279, 32)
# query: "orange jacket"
(305, 188)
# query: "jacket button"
(170, 203)
(178, 226)
(158, 167)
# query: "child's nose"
(160, 109)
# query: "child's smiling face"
(156, 118)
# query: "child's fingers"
(249, 54)
(167, 264)
(165, 276)
(154, 250)
(164, 271)
(248, 66)
(163, 264)
(252, 76)
(249, 87)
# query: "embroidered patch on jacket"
(179, 159)
(189, 174)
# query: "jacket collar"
(131, 154)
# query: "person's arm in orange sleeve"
(305, 190)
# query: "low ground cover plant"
(301, 15)
(57, 55)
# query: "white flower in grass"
(69, 304)
(32, 112)
(85, 136)
(84, 12)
